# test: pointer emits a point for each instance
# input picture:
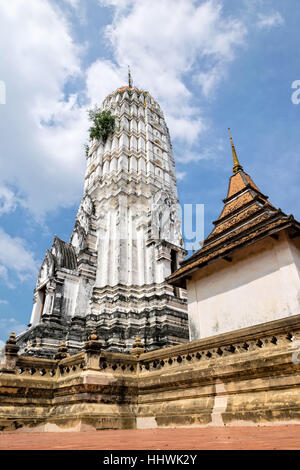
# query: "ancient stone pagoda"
(127, 239)
(248, 269)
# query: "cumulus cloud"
(44, 127)
(270, 20)
(8, 200)
(15, 259)
(7, 326)
(207, 153)
(162, 48)
(41, 153)
(73, 3)
(102, 78)
(121, 4)
(180, 175)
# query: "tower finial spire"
(236, 163)
(129, 78)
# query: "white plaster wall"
(37, 308)
(295, 248)
(83, 296)
(261, 284)
(70, 296)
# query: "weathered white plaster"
(69, 296)
(261, 284)
(220, 405)
(148, 422)
(36, 309)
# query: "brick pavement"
(237, 438)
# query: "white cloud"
(73, 3)
(77, 7)
(5, 277)
(102, 78)
(15, 259)
(41, 152)
(4, 302)
(7, 326)
(209, 80)
(8, 200)
(121, 4)
(162, 48)
(180, 175)
(269, 20)
(207, 153)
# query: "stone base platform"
(242, 378)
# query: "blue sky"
(210, 64)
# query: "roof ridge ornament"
(129, 78)
(236, 163)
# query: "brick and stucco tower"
(126, 240)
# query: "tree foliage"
(103, 124)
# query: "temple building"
(242, 365)
(110, 276)
(248, 269)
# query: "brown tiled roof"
(247, 216)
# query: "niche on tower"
(174, 267)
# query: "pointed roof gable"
(65, 255)
(243, 201)
(246, 217)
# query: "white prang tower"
(127, 239)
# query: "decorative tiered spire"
(11, 347)
(62, 352)
(236, 163)
(137, 347)
(129, 78)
